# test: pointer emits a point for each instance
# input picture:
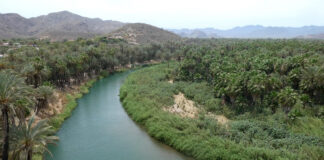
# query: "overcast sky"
(222, 14)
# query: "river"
(100, 129)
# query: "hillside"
(139, 33)
(13, 26)
(56, 26)
(252, 31)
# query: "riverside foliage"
(271, 90)
(251, 135)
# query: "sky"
(176, 14)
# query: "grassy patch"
(309, 126)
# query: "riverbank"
(71, 103)
(66, 100)
(99, 128)
(150, 99)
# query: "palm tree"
(43, 93)
(312, 82)
(40, 71)
(287, 98)
(36, 72)
(257, 86)
(14, 94)
(31, 137)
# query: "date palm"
(287, 98)
(31, 137)
(312, 82)
(43, 93)
(14, 94)
(257, 86)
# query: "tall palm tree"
(31, 137)
(312, 82)
(287, 98)
(36, 72)
(41, 71)
(43, 93)
(257, 86)
(14, 94)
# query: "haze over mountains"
(67, 25)
(253, 31)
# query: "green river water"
(100, 129)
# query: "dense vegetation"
(31, 70)
(251, 75)
(272, 91)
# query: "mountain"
(67, 25)
(56, 26)
(197, 33)
(140, 33)
(252, 31)
(313, 36)
(13, 26)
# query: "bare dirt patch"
(57, 103)
(183, 107)
(55, 106)
(186, 108)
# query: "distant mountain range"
(70, 26)
(56, 26)
(254, 31)
(67, 25)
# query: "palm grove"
(32, 70)
(271, 91)
(254, 75)
(261, 77)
